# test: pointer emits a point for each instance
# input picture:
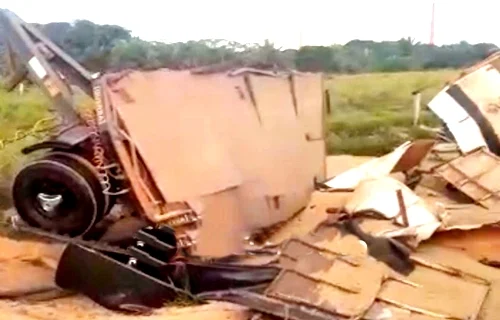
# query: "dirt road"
(31, 265)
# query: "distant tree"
(56, 31)
(91, 44)
(316, 58)
(406, 46)
(102, 47)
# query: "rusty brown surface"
(328, 272)
(223, 224)
(326, 280)
(427, 293)
(436, 293)
(482, 243)
(310, 109)
(414, 155)
(170, 132)
(475, 174)
(309, 218)
(215, 134)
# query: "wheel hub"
(49, 202)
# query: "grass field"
(373, 113)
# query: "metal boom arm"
(45, 64)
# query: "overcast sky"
(288, 23)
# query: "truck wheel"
(52, 195)
(88, 171)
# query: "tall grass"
(17, 113)
(373, 113)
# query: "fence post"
(417, 97)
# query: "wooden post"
(417, 98)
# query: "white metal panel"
(447, 108)
(462, 126)
(467, 135)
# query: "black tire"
(77, 212)
(88, 171)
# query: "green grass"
(373, 113)
(17, 113)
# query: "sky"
(288, 24)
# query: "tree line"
(110, 47)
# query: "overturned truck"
(212, 155)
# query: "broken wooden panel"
(434, 292)
(464, 264)
(475, 174)
(445, 284)
(325, 279)
(342, 289)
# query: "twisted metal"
(90, 116)
(35, 131)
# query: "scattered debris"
(412, 215)
(402, 159)
(372, 242)
(476, 174)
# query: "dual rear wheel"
(61, 193)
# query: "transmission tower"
(431, 42)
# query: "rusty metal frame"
(270, 306)
(466, 179)
(128, 159)
(152, 204)
(337, 255)
(45, 64)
